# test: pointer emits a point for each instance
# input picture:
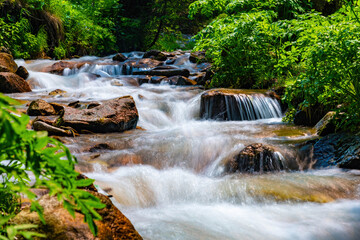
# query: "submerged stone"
(255, 158)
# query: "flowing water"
(167, 176)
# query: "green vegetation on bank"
(261, 44)
(30, 160)
(62, 29)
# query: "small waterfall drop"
(240, 107)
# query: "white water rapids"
(167, 177)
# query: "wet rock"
(93, 105)
(7, 63)
(326, 125)
(59, 109)
(123, 160)
(22, 72)
(255, 158)
(170, 61)
(40, 108)
(164, 72)
(197, 57)
(203, 77)
(145, 79)
(157, 79)
(309, 116)
(60, 225)
(181, 81)
(13, 83)
(52, 131)
(100, 147)
(115, 115)
(51, 120)
(237, 104)
(338, 149)
(119, 57)
(142, 63)
(75, 104)
(59, 67)
(57, 92)
(155, 54)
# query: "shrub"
(26, 154)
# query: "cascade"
(168, 176)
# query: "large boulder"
(255, 158)
(338, 149)
(7, 63)
(115, 115)
(40, 108)
(236, 104)
(60, 225)
(155, 54)
(22, 72)
(13, 83)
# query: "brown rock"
(93, 104)
(60, 225)
(236, 104)
(100, 147)
(157, 79)
(119, 57)
(164, 72)
(142, 63)
(52, 131)
(181, 81)
(59, 67)
(12, 83)
(51, 120)
(156, 54)
(7, 63)
(255, 158)
(57, 92)
(22, 72)
(40, 108)
(115, 115)
(145, 79)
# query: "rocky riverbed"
(182, 162)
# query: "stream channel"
(167, 176)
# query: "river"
(168, 178)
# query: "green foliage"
(30, 160)
(331, 77)
(171, 41)
(258, 44)
(248, 42)
(19, 38)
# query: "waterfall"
(240, 107)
